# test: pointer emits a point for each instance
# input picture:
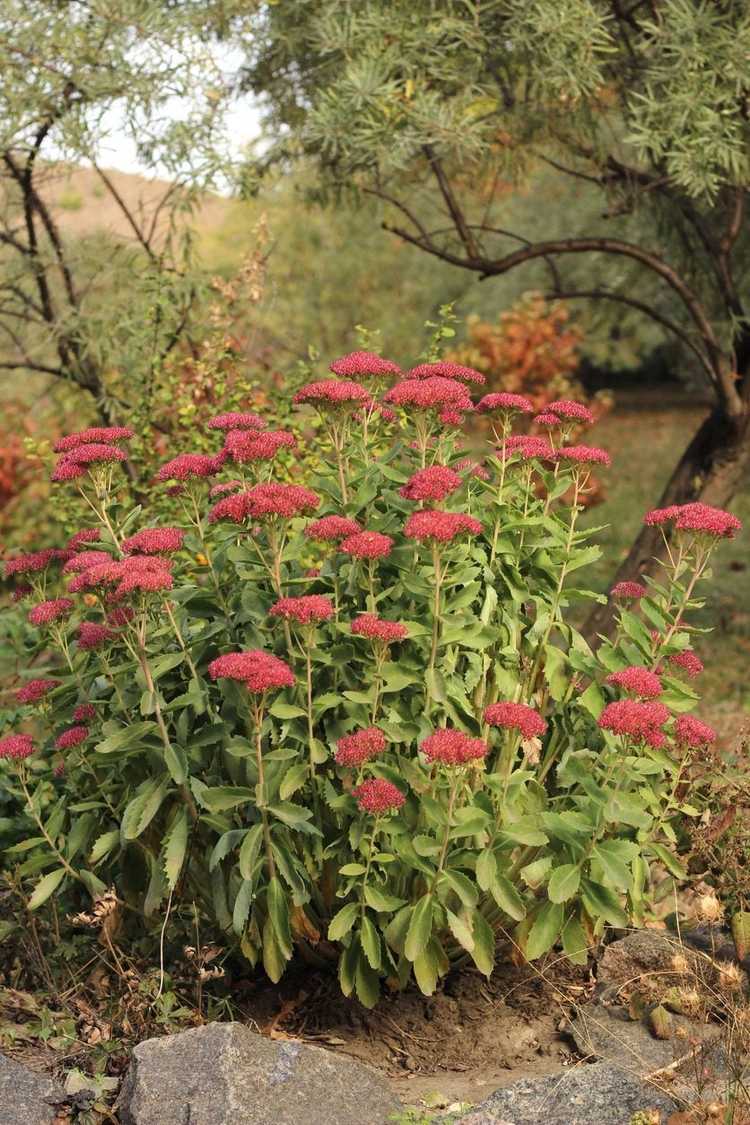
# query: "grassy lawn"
(645, 443)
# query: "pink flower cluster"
(696, 517)
(84, 713)
(692, 734)
(16, 746)
(440, 527)
(378, 629)
(354, 750)
(444, 369)
(367, 545)
(453, 748)
(84, 560)
(527, 448)
(433, 483)
(154, 541)
(246, 446)
(364, 364)
(435, 393)
(50, 611)
(237, 421)
(506, 402)
(108, 435)
(634, 719)
(378, 796)
(584, 455)
(333, 393)
(92, 635)
(516, 716)
(639, 681)
(88, 535)
(259, 671)
(264, 500)
(189, 466)
(305, 610)
(564, 409)
(35, 690)
(224, 487)
(34, 562)
(330, 529)
(631, 591)
(74, 736)
(687, 661)
(72, 465)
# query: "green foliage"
(189, 787)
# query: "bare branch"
(455, 211)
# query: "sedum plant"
(349, 715)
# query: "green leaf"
(220, 798)
(274, 959)
(564, 882)
(294, 778)
(486, 869)
(574, 943)
(535, 874)
(601, 902)
(352, 869)
(176, 762)
(380, 901)
(343, 921)
(370, 940)
(46, 886)
(278, 912)
(224, 845)
(127, 738)
(462, 886)
(427, 968)
(296, 816)
(281, 710)
(250, 850)
(366, 983)
(613, 862)
(545, 930)
(483, 953)
(103, 845)
(461, 927)
(671, 862)
(420, 928)
(175, 848)
(143, 808)
(508, 899)
(242, 904)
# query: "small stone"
(225, 1074)
(26, 1097)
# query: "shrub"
(349, 713)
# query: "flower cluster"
(107, 435)
(692, 734)
(639, 721)
(584, 455)
(639, 681)
(74, 736)
(435, 393)
(85, 560)
(567, 410)
(16, 746)
(35, 690)
(378, 796)
(516, 716)
(440, 527)
(330, 529)
(444, 369)
(367, 545)
(628, 591)
(34, 562)
(246, 446)
(688, 662)
(433, 483)
(506, 402)
(50, 611)
(354, 750)
(527, 448)
(378, 629)
(453, 748)
(154, 541)
(190, 466)
(264, 500)
(235, 420)
(72, 465)
(86, 535)
(84, 713)
(259, 671)
(696, 517)
(333, 393)
(92, 636)
(305, 610)
(363, 364)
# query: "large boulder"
(26, 1098)
(225, 1074)
(588, 1094)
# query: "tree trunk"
(710, 470)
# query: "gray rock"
(225, 1074)
(643, 957)
(595, 1094)
(26, 1097)
(607, 1033)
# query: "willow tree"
(95, 313)
(434, 106)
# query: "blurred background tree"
(437, 110)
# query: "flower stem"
(257, 714)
